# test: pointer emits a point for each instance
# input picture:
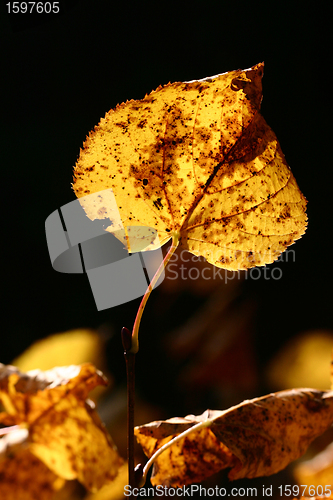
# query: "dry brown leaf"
(196, 457)
(258, 437)
(198, 160)
(63, 429)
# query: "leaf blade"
(259, 437)
(189, 157)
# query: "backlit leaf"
(258, 437)
(196, 159)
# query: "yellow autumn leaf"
(258, 437)
(196, 160)
(63, 430)
(193, 459)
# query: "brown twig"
(131, 346)
(130, 373)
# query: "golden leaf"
(258, 437)
(198, 160)
(63, 430)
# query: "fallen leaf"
(196, 159)
(198, 456)
(63, 430)
(258, 437)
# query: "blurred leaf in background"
(303, 361)
(53, 425)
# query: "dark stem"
(131, 346)
(130, 373)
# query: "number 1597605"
(30, 7)
(305, 490)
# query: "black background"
(61, 72)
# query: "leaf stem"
(131, 347)
(135, 333)
(130, 371)
(196, 427)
